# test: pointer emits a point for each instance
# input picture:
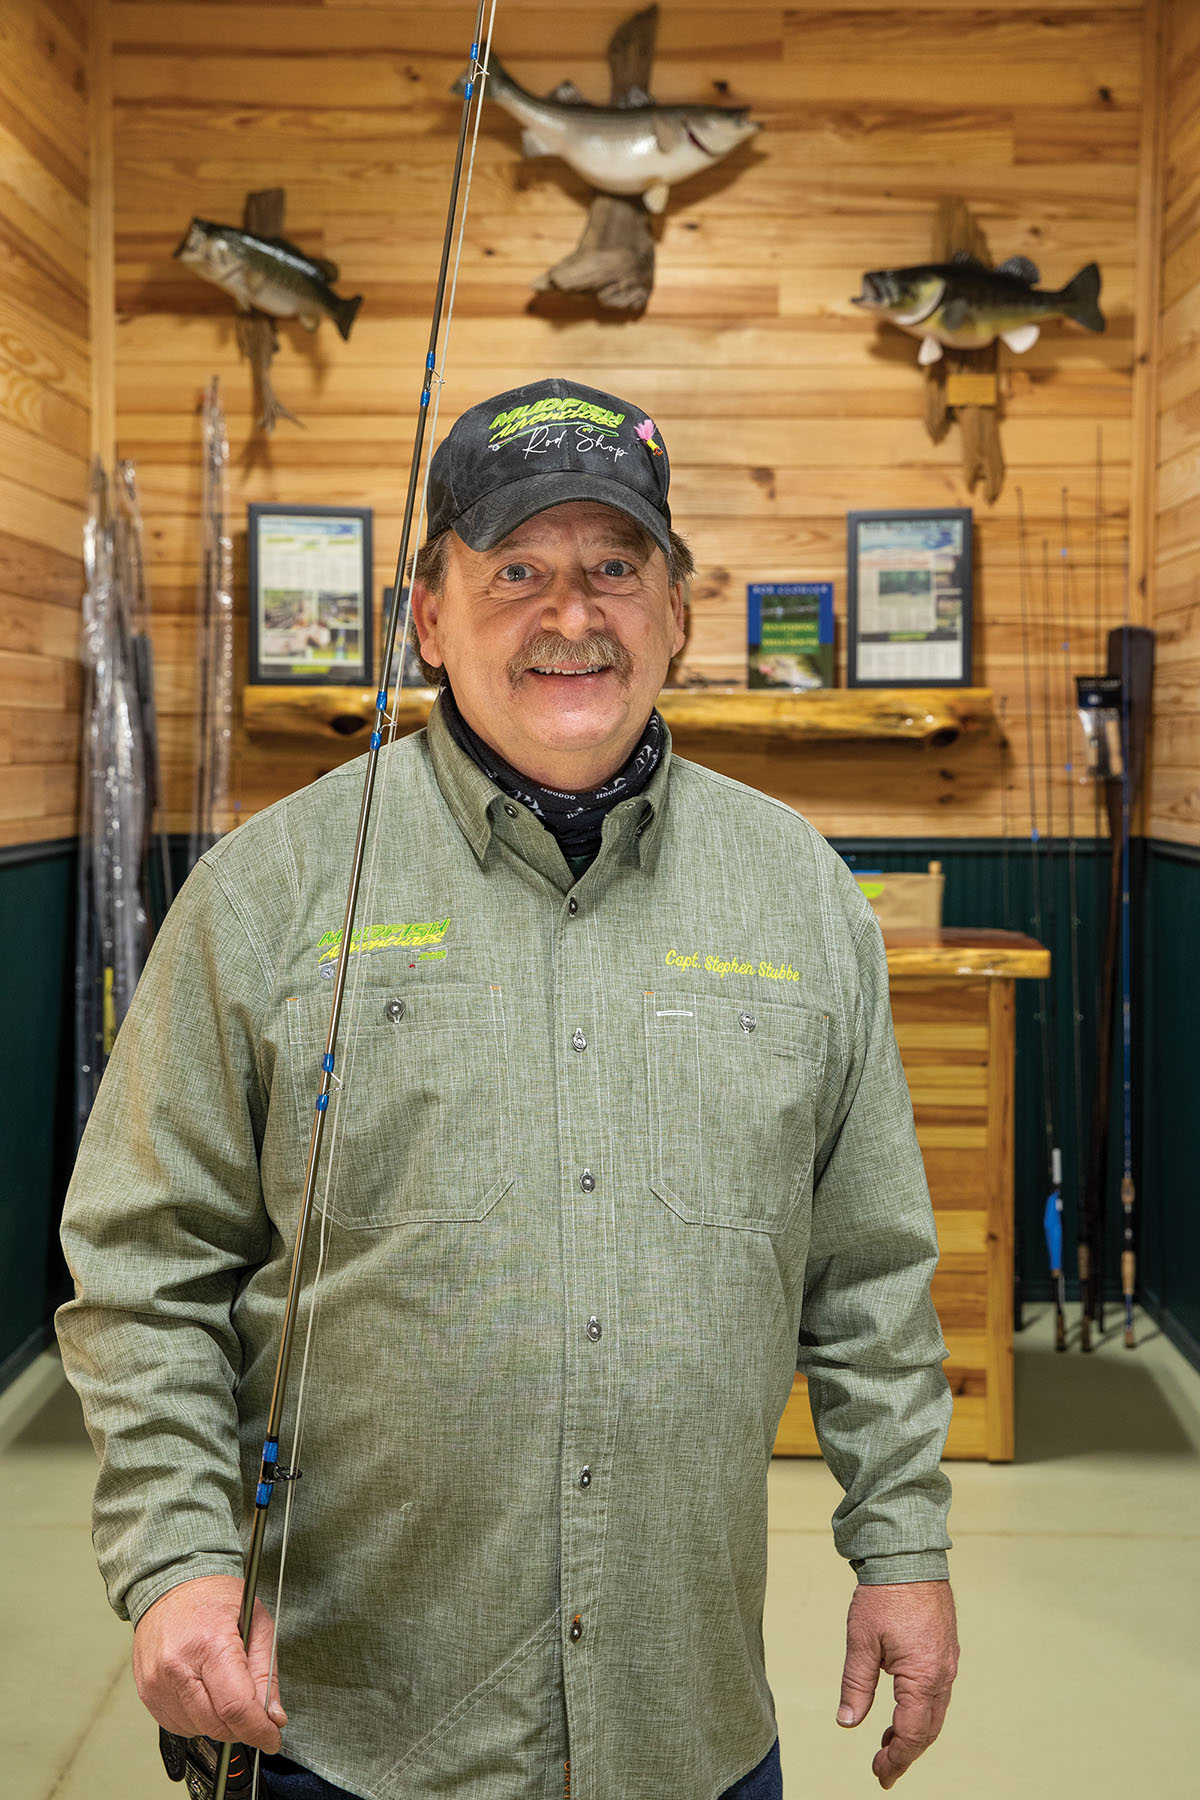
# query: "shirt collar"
(475, 801)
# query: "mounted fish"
(268, 274)
(639, 148)
(964, 305)
(269, 278)
(631, 152)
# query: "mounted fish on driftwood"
(964, 305)
(631, 151)
(962, 309)
(270, 279)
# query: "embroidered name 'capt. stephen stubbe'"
(723, 966)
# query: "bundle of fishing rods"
(124, 883)
(124, 873)
(1109, 712)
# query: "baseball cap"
(538, 445)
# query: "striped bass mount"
(640, 148)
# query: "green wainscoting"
(991, 883)
(1170, 1190)
(37, 896)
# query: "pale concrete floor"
(1076, 1570)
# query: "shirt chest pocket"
(732, 1091)
(419, 1130)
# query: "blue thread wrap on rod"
(322, 1102)
(327, 1063)
(270, 1456)
(1052, 1226)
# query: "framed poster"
(908, 598)
(789, 634)
(310, 594)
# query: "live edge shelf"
(933, 716)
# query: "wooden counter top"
(957, 950)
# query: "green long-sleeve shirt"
(601, 1154)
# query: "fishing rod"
(271, 1471)
(90, 925)
(1128, 1254)
(214, 638)
(1086, 1231)
(1128, 685)
(1072, 880)
(1052, 1216)
(1005, 757)
(1053, 1156)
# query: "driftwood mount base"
(962, 384)
(257, 338)
(614, 259)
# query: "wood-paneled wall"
(782, 406)
(45, 400)
(1175, 789)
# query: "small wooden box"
(904, 898)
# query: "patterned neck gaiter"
(575, 820)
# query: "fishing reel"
(194, 1762)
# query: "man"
(621, 1120)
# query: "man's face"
(556, 642)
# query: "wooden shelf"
(964, 953)
(933, 716)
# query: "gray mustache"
(549, 650)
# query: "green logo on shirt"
(369, 940)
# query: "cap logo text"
(553, 410)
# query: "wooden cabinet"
(953, 1008)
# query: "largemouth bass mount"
(268, 275)
(964, 305)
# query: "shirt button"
(594, 1329)
(587, 1181)
(572, 906)
(747, 1021)
(578, 1041)
(511, 811)
(576, 1631)
(395, 1010)
(585, 1477)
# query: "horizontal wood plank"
(45, 396)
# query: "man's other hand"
(909, 1631)
(192, 1671)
